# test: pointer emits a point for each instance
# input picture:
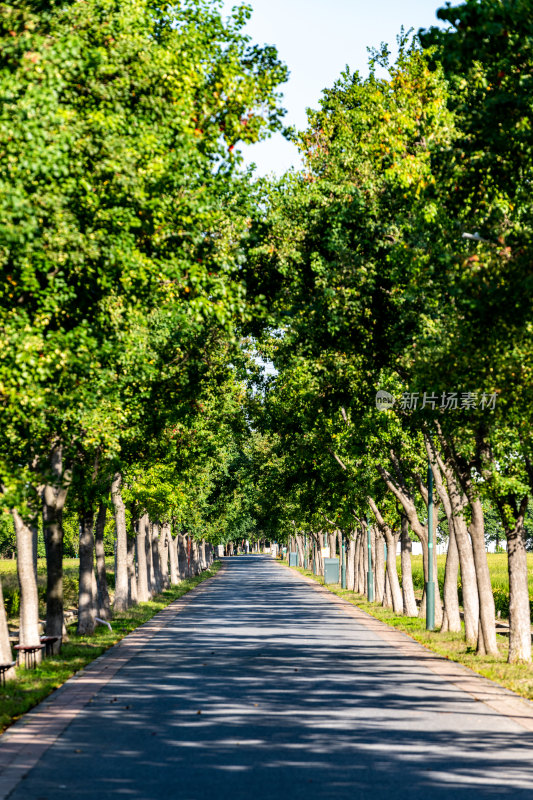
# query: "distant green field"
(498, 574)
(8, 574)
(497, 566)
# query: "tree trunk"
(29, 633)
(86, 597)
(339, 545)
(132, 577)
(350, 564)
(362, 563)
(121, 581)
(451, 619)
(379, 570)
(392, 573)
(408, 591)
(300, 549)
(156, 558)
(150, 573)
(404, 496)
(163, 547)
(195, 557)
(182, 556)
(143, 593)
(356, 556)
(320, 556)
(6, 656)
(53, 498)
(487, 628)
(173, 557)
(457, 503)
(104, 605)
(364, 560)
(519, 610)
(387, 596)
(454, 503)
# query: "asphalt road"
(262, 688)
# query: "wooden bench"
(3, 669)
(29, 653)
(49, 642)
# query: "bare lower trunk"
(163, 547)
(332, 543)
(408, 591)
(519, 611)
(132, 577)
(29, 633)
(451, 619)
(104, 604)
(195, 557)
(468, 581)
(53, 538)
(454, 502)
(143, 593)
(320, 557)
(392, 573)
(300, 549)
(202, 555)
(362, 564)
(182, 556)
(173, 558)
(121, 570)
(438, 600)
(150, 573)
(86, 595)
(350, 564)
(457, 502)
(379, 573)
(387, 595)
(487, 628)
(156, 557)
(6, 656)
(339, 545)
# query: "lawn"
(8, 574)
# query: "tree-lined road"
(262, 687)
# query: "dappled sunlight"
(260, 688)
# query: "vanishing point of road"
(259, 685)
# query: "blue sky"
(316, 39)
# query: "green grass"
(33, 685)
(517, 677)
(10, 587)
(498, 574)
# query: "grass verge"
(33, 685)
(517, 677)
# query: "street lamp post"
(430, 585)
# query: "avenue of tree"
(146, 277)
